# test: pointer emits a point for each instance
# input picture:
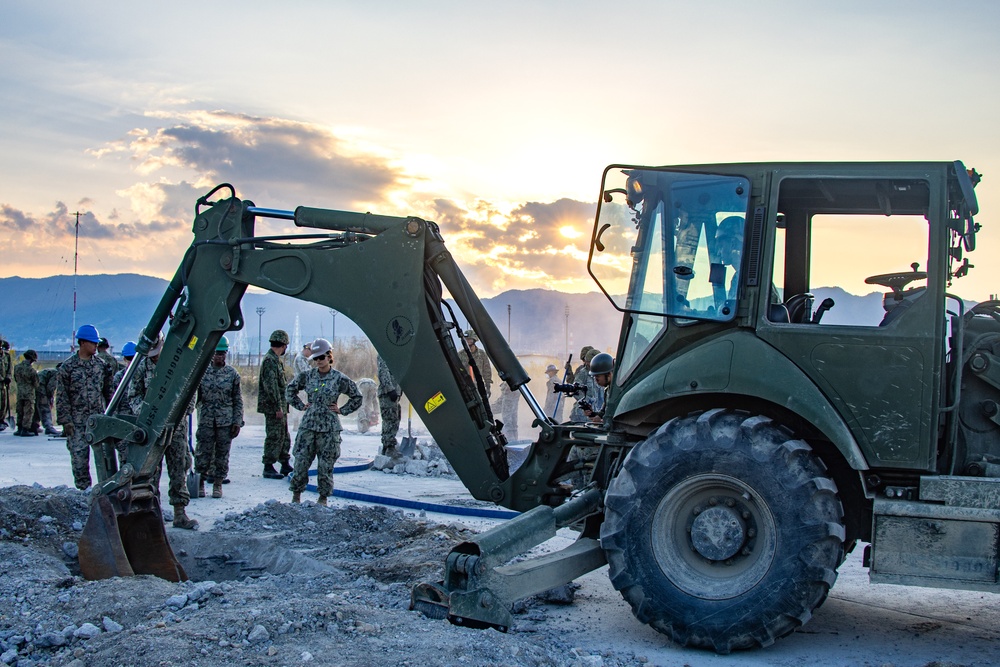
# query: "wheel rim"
(713, 536)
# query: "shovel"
(409, 443)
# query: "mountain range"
(39, 313)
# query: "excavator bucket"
(123, 539)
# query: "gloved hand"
(234, 430)
(393, 395)
(68, 430)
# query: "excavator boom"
(387, 274)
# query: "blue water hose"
(407, 504)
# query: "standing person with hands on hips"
(318, 437)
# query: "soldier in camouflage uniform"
(220, 417)
(582, 376)
(128, 354)
(505, 409)
(389, 392)
(26, 378)
(44, 396)
(6, 376)
(319, 435)
(271, 402)
(83, 389)
(176, 453)
(482, 361)
(103, 351)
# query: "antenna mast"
(76, 257)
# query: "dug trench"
(276, 584)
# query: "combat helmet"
(278, 337)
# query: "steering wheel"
(897, 281)
(800, 308)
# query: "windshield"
(670, 243)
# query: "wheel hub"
(718, 533)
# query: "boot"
(182, 520)
(201, 487)
(271, 473)
(296, 497)
(50, 430)
(19, 433)
(321, 501)
(217, 490)
(286, 469)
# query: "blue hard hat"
(128, 350)
(88, 333)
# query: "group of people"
(594, 374)
(84, 384)
(35, 393)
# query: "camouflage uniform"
(220, 408)
(581, 376)
(6, 377)
(176, 453)
(83, 388)
(505, 409)
(388, 404)
(26, 378)
(110, 360)
(270, 399)
(368, 412)
(44, 396)
(319, 434)
(483, 363)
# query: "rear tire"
(722, 531)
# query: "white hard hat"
(319, 347)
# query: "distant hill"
(38, 313)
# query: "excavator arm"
(388, 274)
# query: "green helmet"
(601, 363)
(279, 337)
(223, 345)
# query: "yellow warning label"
(192, 342)
(434, 402)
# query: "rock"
(45, 518)
(414, 467)
(112, 626)
(50, 639)
(78, 526)
(8, 656)
(258, 634)
(177, 601)
(87, 631)
(70, 549)
(560, 594)
(306, 656)
(272, 651)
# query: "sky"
(495, 119)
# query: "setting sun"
(570, 232)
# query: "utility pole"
(567, 332)
(76, 256)
(333, 331)
(260, 318)
(508, 324)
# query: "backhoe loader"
(751, 437)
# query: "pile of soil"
(278, 584)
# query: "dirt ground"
(279, 584)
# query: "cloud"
(300, 163)
(520, 246)
(177, 157)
